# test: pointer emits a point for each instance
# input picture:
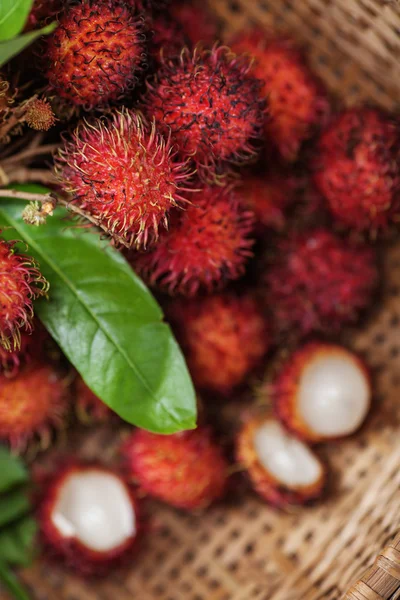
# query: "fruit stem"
(11, 583)
(29, 153)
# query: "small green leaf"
(13, 505)
(12, 471)
(13, 15)
(11, 583)
(107, 322)
(11, 48)
(17, 542)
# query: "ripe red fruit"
(88, 518)
(206, 246)
(269, 198)
(31, 403)
(96, 53)
(319, 283)
(186, 470)
(89, 407)
(356, 168)
(322, 392)
(282, 469)
(198, 23)
(210, 103)
(20, 283)
(297, 101)
(224, 337)
(124, 174)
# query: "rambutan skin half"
(20, 283)
(265, 483)
(286, 389)
(185, 470)
(318, 282)
(199, 24)
(297, 102)
(96, 53)
(224, 338)
(206, 245)
(356, 168)
(123, 173)
(32, 403)
(70, 550)
(211, 105)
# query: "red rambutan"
(224, 337)
(198, 23)
(297, 102)
(20, 283)
(281, 468)
(168, 39)
(89, 407)
(356, 168)
(88, 518)
(206, 246)
(322, 392)
(96, 53)
(211, 105)
(31, 403)
(186, 470)
(124, 174)
(318, 282)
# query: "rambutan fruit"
(31, 403)
(123, 173)
(297, 101)
(96, 53)
(185, 470)
(206, 246)
(211, 105)
(39, 115)
(318, 282)
(356, 168)
(168, 38)
(322, 392)
(224, 338)
(89, 407)
(282, 469)
(20, 283)
(88, 518)
(269, 198)
(198, 23)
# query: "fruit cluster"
(252, 209)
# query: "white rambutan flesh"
(95, 508)
(334, 394)
(286, 458)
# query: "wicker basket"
(247, 551)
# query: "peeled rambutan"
(20, 283)
(89, 407)
(318, 282)
(31, 403)
(269, 198)
(297, 101)
(211, 105)
(322, 392)
(123, 173)
(96, 53)
(224, 337)
(88, 518)
(282, 469)
(206, 246)
(198, 23)
(168, 38)
(356, 168)
(186, 470)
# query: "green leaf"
(12, 471)
(11, 48)
(13, 505)
(17, 542)
(107, 323)
(13, 15)
(11, 583)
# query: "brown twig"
(30, 197)
(24, 175)
(30, 153)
